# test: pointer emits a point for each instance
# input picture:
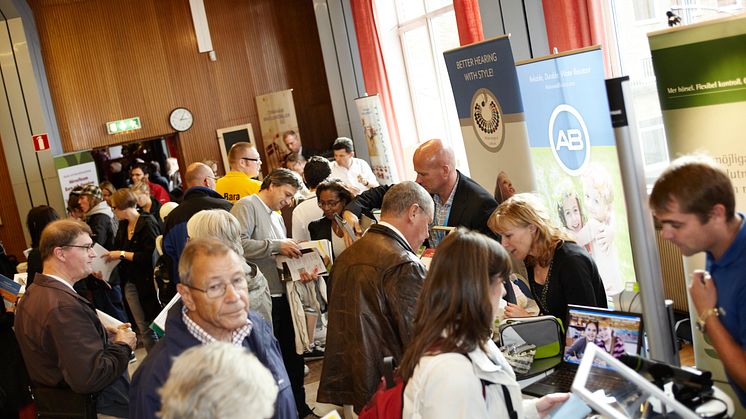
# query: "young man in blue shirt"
(694, 202)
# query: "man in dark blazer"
(65, 347)
(459, 201)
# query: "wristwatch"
(121, 255)
(715, 311)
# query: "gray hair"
(217, 224)
(218, 380)
(196, 248)
(403, 195)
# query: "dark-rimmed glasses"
(256, 160)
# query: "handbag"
(544, 332)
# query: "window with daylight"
(627, 24)
(414, 34)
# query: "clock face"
(181, 119)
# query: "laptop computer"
(626, 330)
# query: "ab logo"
(569, 140)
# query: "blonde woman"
(559, 271)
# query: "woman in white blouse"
(451, 368)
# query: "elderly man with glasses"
(239, 182)
(70, 356)
(214, 307)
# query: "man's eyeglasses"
(218, 290)
(80, 246)
(256, 160)
(328, 204)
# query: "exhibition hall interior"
(373, 208)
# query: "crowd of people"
(238, 328)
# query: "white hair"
(218, 380)
(216, 224)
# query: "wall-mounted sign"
(123, 125)
(41, 142)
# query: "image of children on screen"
(614, 333)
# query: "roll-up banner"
(376, 138)
(488, 103)
(701, 77)
(573, 150)
(75, 169)
(276, 115)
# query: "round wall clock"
(181, 119)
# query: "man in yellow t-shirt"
(245, 163)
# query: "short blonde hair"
(218, 380)
(522, 210)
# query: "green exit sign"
(123, 125)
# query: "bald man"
(459, 201)
(200, 195)
(239, 182)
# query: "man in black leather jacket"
(371, 309)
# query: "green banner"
(721, 77)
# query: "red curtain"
(573, 24)
(468, 21)
(374, 70)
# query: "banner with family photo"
(575, 158)
(488, 103)
(701, 77)
(376, 138)
(276, 115)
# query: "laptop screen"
(615, 332)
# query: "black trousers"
(285, 333)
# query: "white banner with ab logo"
(489, 107)
(575, 159)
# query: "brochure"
(101, 265)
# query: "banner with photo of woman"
(490, 111)
(376, 138)
(575, 158)
(276, 115)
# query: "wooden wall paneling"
(113, 59)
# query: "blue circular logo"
(569, 139)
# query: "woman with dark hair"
(332, 196)
(135, 240)
(577, 349)
(559, 271)
(36, 220)
(452, 369)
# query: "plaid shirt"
(237, 336)
(440, 218)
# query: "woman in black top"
(135, 241)
(559, 271)
(332, 197)
(36, 220)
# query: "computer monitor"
(617, 332)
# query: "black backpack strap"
(509, 403)
(388, 371)
(512, 414)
